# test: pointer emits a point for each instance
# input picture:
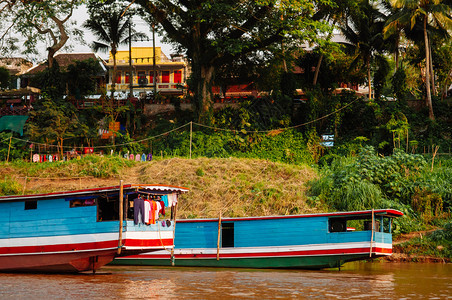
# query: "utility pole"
(153, 60)
(130, 59)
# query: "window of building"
(118, 77)
(126, 77)
(142, 79)
(165, 76)
(178, 76)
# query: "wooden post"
(121, 214)
(434, 154)
(219, 237)
(372, 233)
(191, 135)
(25, 185)
(9, 148)
(174, 235)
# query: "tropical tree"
(436, 13)
(215, 33)
(363, 29)
(45, 20)
(110, 24)
(336, 13)
(52, 121)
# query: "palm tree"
(110, 26)
(333, 14)
(363, 29)
(434, 13)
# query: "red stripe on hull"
(60, 262)
(59, 247)
(113, 244)
(148, 243)
(375, 251)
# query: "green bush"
(287, 146)
(9, 186)
(400, 181)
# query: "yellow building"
(170, 79)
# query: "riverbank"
(233, 186)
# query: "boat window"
(227, 235)
(33, 204)
(338, 225)
(108, 208)
(359, 224)
(78, 202)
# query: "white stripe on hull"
(275, 249)
(83, 238)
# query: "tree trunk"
(432, 74)
(203, 75)
(396, 54)
(369, 78)
(50, 55)
(203, 91)
(317, 69)
(427, 73)
(58, 43)
(113, 80)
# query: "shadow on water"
(355, 280)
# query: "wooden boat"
(312, 241)
(78, 230)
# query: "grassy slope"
(236, 187)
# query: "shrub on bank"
(401, 181)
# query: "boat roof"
(155, 188)
(362, 214)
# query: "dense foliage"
(401, 181)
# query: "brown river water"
(353, 281)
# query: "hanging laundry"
(149, 157)
(131, 157)
(162, 207)
(137, 157)
(138, 211)
(143, 157)
(148, 211)
(157, 210)
(172, 199)
(154, 211)
(165, 200)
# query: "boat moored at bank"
(83, 230)
(311, 241)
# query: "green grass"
(90, 165)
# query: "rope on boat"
(160, 237)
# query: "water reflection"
(355, 281)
